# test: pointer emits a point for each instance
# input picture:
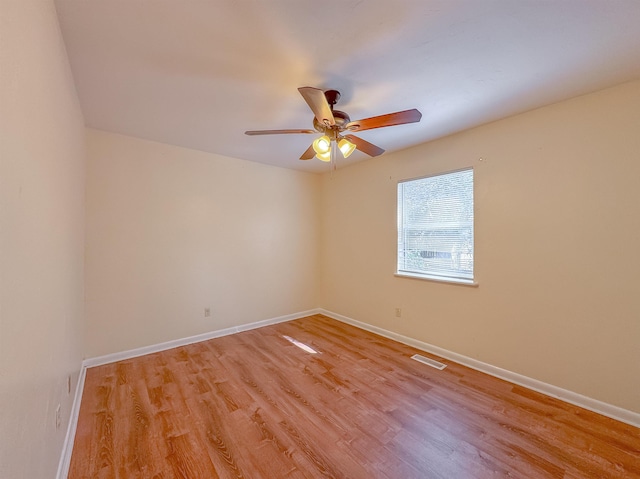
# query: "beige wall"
(41, 238)
(557, 206)
(171, 231)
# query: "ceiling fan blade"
(364, 146)
(390, 119)
(310, 153)
(319, 105)
(276, 132)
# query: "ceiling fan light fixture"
(322, 145)
(346, 147)
(331, 123)
(326, 157)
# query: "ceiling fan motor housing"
(340, 118)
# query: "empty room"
(343, 239)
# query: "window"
(435, 227)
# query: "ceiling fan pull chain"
(334, 156)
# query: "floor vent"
(430, 362)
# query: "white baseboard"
(67, 448)
(155, 348)
(609, 410)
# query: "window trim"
(432, 277)
(437, 279)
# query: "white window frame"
(402, 269)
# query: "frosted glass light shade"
(324, 156)
(322, 145)
(346, 147)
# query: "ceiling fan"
(333, 123)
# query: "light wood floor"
(254, 405)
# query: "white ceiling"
(198, 73)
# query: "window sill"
(437, 279)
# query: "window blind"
(435, 226)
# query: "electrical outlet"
(398, 312)
(207, 312)
(58, 416)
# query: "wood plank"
(254, 405)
